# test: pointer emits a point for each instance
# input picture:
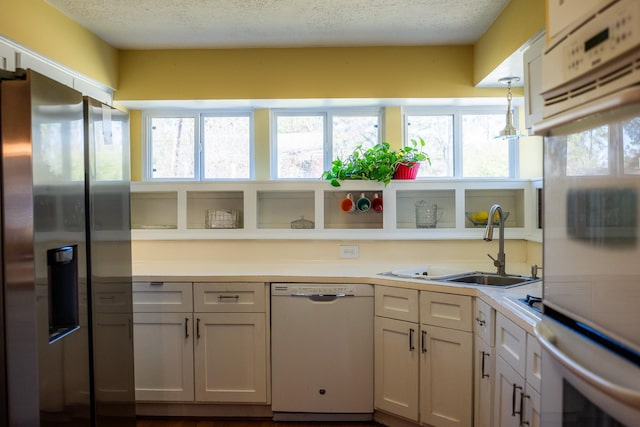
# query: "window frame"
(327, 114)
(198, 166)
(457, 113)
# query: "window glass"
(349, 132)
(482, 154)
(437, 132)
(588, 152)
(172, 145)
(631, 143)
(300, 146)
(227, 147)
(307, 143)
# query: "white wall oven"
(590, 332)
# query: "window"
(307, 142)
(202, 146)
(462, 143)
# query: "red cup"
(376, 203)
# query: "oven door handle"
(619, 392)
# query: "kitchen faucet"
(499, 262)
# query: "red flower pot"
(406, 171)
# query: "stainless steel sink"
(491, 279)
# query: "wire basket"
(222, 218)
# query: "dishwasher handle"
(321, 297)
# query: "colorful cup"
(363, 204)
(376, 203)
(347, 204)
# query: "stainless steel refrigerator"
(51, 352)
(109, 268)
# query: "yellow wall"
(38, 26)
(365, 72)
(519, 21)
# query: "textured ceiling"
(157, 24)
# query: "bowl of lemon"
(480, 218)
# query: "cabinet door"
(509, 386)
(396, 367)
(163, 356)
(113, 354)
(485, 367)
(532, 408)
(446, 372)
(533, 102)
(511, 343)
(230, 357)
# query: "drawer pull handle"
(236, 298)
(483, 373)
(480, 322)
(411, 346)
(424, 341)
(513, 401)
(198, 328)
(186, 327)
(156, 283)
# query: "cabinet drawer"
(484, 320)
(397, 303)
(162, 297)
(229, 297)
(511, 343)
(534, 362)
(446, 310)
(112, 297)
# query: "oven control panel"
(612, 32)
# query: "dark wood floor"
(175, 422)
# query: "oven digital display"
(594, 41)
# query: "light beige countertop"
(503, 300)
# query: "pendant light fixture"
(509, 130)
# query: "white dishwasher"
(322, 351)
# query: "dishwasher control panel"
(321, 289)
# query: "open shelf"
(312, 209)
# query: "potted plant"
(409, 158)
(378, 163)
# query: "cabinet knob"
(480, 322)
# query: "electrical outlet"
(349, 251)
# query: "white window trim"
(328, 114)
(198, 116)
(457, 113)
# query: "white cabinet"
(113, 347)
(163, 356)
(446, 368)
(423, 356)
(230, 342)
(533, 102)
(396, 351)
(201, 342)
(396, 367)
(484, 363)
(7, 57)
(517, 396)
(509, 390)
(163, 340)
